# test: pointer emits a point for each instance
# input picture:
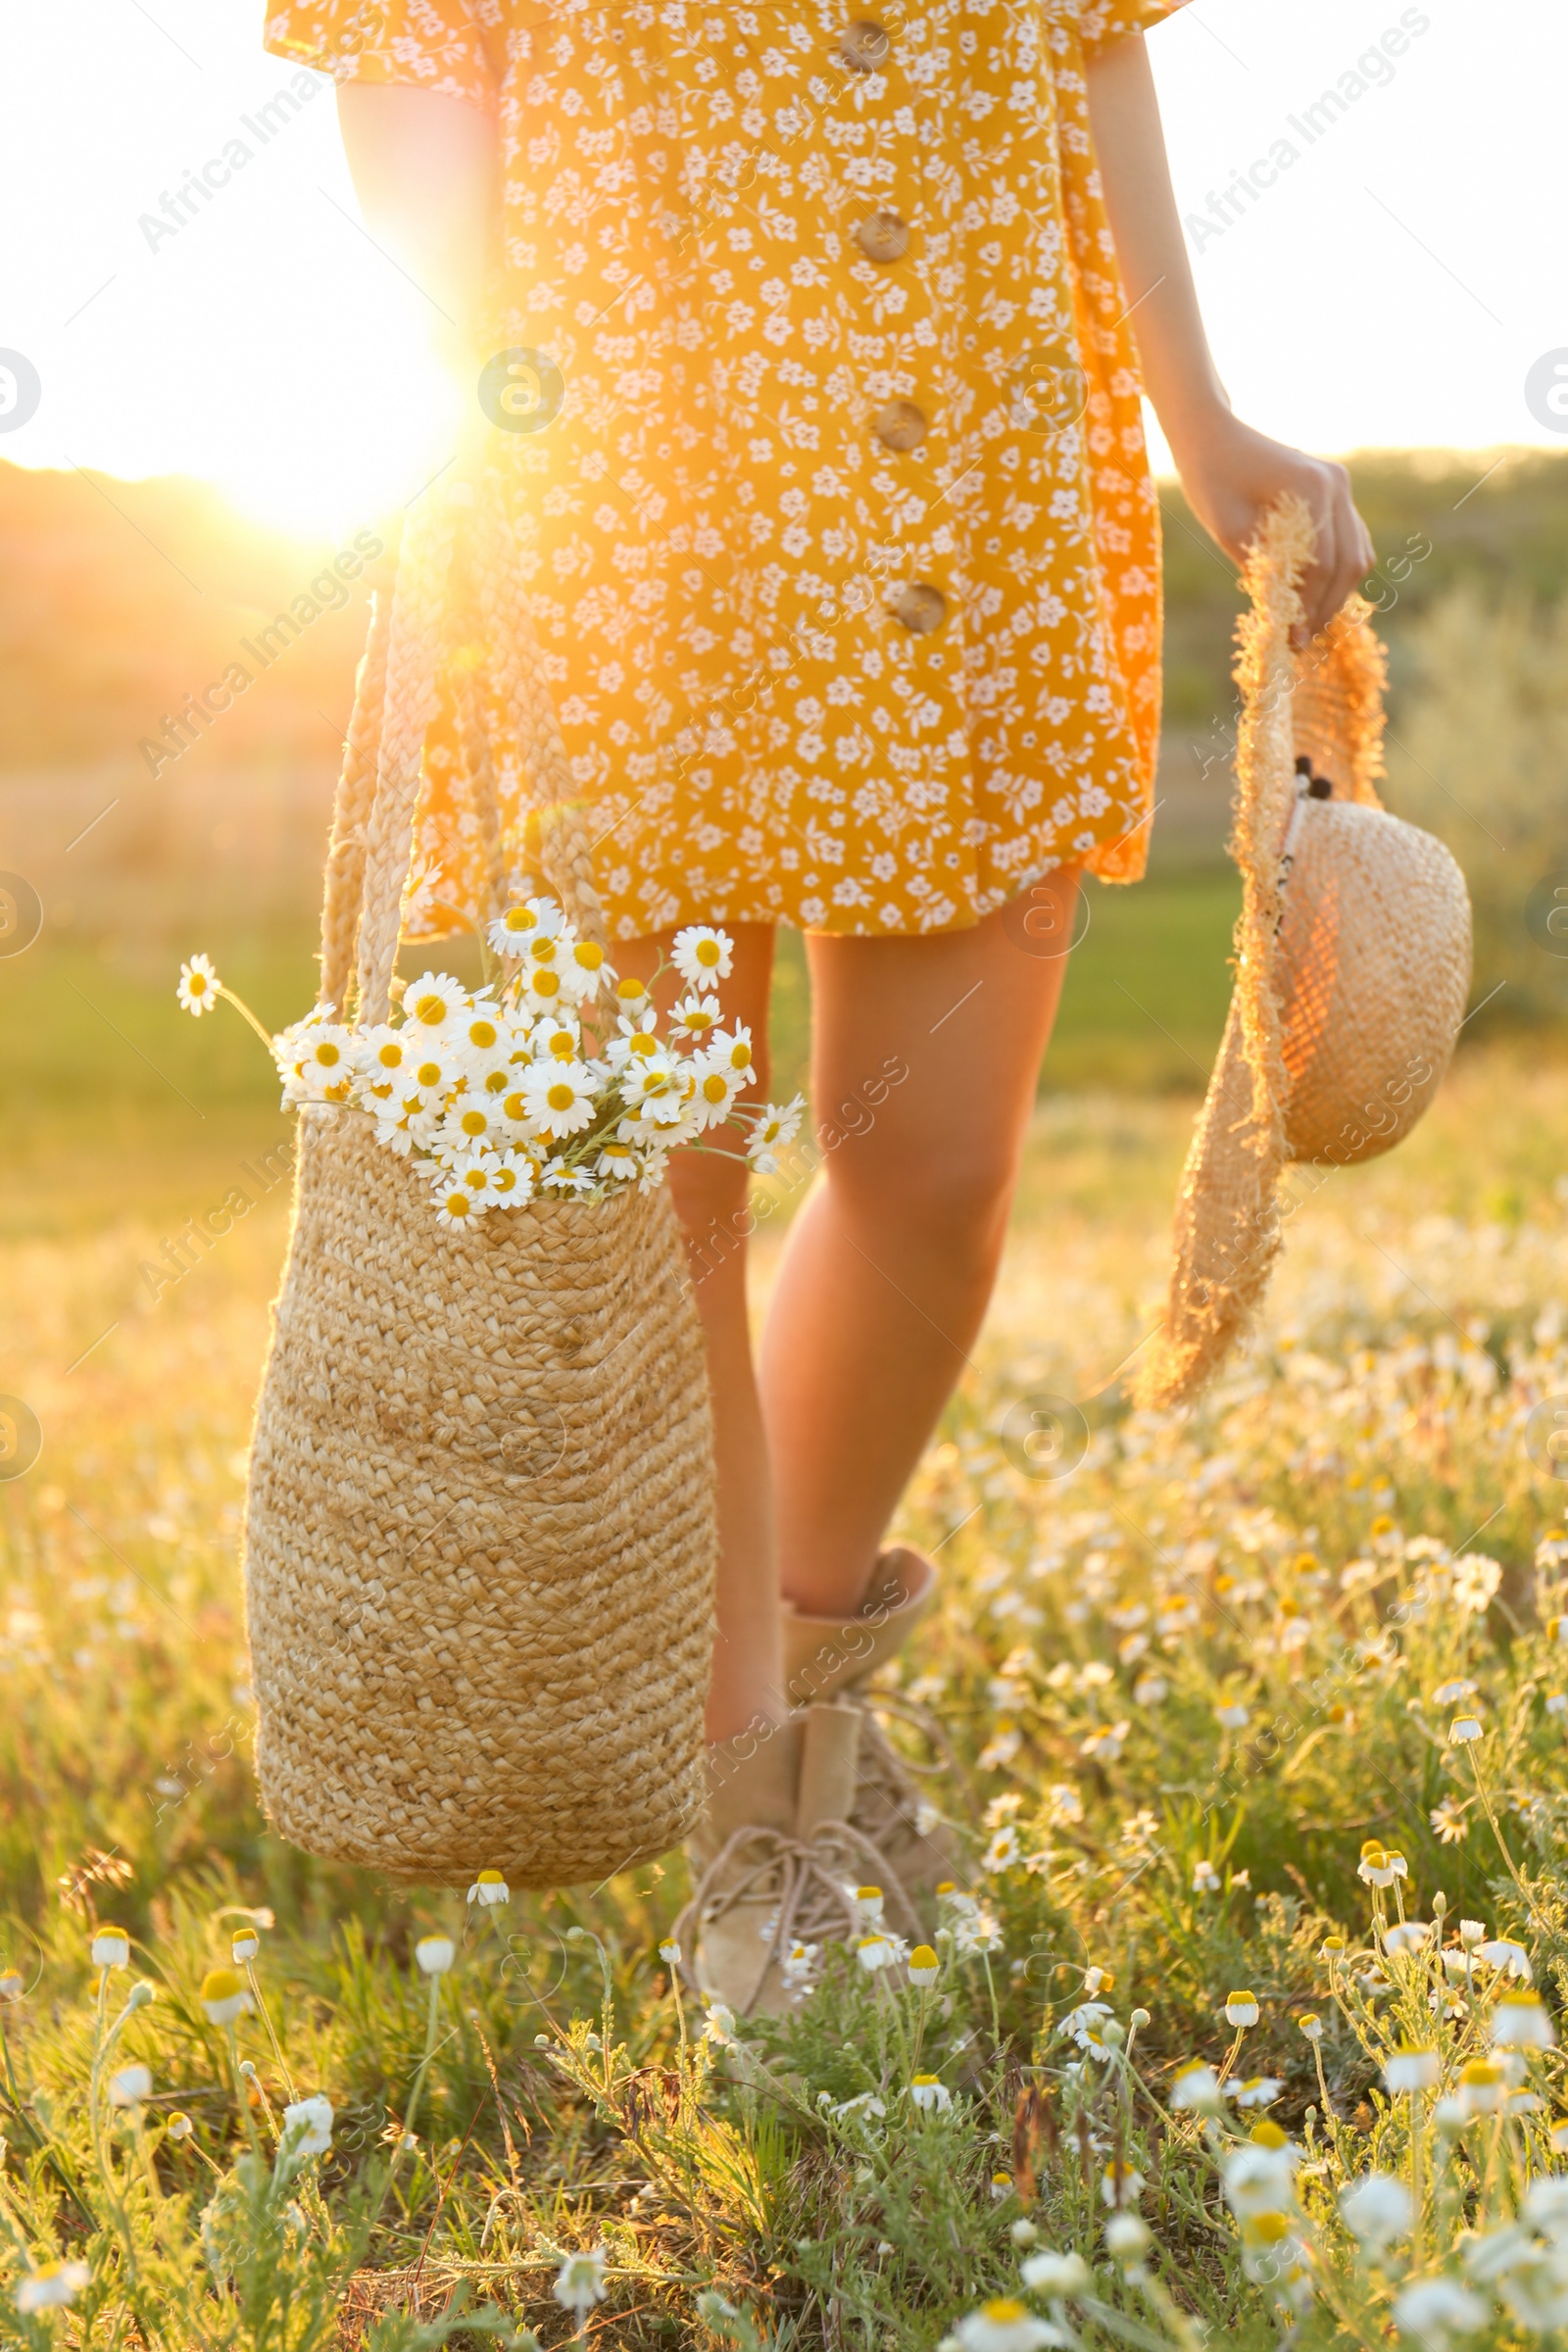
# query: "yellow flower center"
(740, 1056)
(713, 1087)
(588, 955)
(545, 983)
(327, 1054)
(457, 1205)
(482, 1034)
(708, 950)
(1004, 2309)
(515, 1106)
(543, 951)
(521, 918)
(473, 1122)
(560, 1096)
(428, 1073)
(431, 1009)
(198, 984)
(390, 1056)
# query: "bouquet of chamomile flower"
(518, 1091)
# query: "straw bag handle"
(457, 533)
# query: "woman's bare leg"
(710, 1194)
(924, 1064)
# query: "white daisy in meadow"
(616, 1162)
(694, 1016)
(1004, 2324)
(512, 1178)
(51, 2286)
(534, 918)
(558, 1096)
(702, 955)
(433, 1005)
(580, 2283)
(198, 986)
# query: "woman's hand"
(1232, 475)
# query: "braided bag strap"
(351, 812)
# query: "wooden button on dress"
(899, 425)
(863, 46)
(885, 237)
(920, 606)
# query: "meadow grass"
(1187, 1681)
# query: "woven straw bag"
(480, 1535)
(1352, 963)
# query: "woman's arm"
(424, 171)
(1229, 472)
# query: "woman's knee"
(949, 1194)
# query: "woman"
(843, 547)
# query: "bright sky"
(1394, 288)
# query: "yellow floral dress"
(840, 540)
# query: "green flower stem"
(244, 1011)
(277, 2047)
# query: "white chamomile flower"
(435, 1955)
(580, 2283)
(198, 986)
(476, 1172)
(695, 1016)
(657, 1088)
(774, 1126)
(731, 1050)
(51, 2286)
(489, 1888)
(715, 1092)
(382, 1057)
(434, 1006)
(930, 2094)
(1004, 2324)
(634, 1002)
(584, 968)
(557, 1037)
(455, 1205)
(224, 1996)
(558, 1096)
(430, 1074)
(483, 1032)
(512, 1178)
(702, 955)
(533, 918)
(130, 2085)
(616, 1162)
(307, 2128)
(558, 1178)
(326, 1065)
(474, 1123)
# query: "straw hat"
(1353, 965)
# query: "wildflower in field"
(1556, 1702)
(1001, 2188)
(1483, 2088)
(1311, 2025)
(1407, 1936)
(580, 2283)
(875, 1952)
(1258, 2090)
(1003, 1851)
(110, 1948)
(12, 1987)
(307, 2128)
(976, 1931)
(798, 1965)
(1058, 2275)
(1455, 1692)
(865, 2102)
(1498, 1952)
(179, 2125)
(435, 1955)
(244, 1945)
(1257, 2177)
(489, 1888)
(1119, 2184)
(1195, 2086)
(130, 2085)
(1378, 1868)
(1104, 1743)
(868, 1903)
(1004, 2325)
(930, 2094)
(1448, 1821)
(51, 2288)
(669, 1952)
(1476, 1579)
(1205, 1878)
(1464, 1729)
(1376, 2210)
(1412, 2070)
(1232, 1716)
(1241, 2009)
(1083, 2024)
(1002, 1748)
(224, 1996)
(1520, 2022)
(198, 986)
(718, 2025)
(923, 1965)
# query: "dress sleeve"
(436, 44)
(1102, 22)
